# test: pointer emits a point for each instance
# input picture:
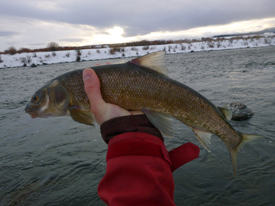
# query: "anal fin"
(203, 137)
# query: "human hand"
(102, 111)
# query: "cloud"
(7, 33)
(72, 39)
(32, 33)
(70, 22)
(141, 17)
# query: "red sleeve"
(142, 177)
(139, 167)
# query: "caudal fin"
(246, 138)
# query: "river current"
(57, 161)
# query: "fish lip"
(31, 111)
(33, 114)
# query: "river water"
(56, 161)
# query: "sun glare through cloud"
(116, 31)
(114, 35)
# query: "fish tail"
(246, 138)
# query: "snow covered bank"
(40, 58)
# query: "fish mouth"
(33, 116)
(31, 111)
(34, 113)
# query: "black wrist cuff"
(132, 123)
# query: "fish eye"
(35, 98)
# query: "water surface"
(57, 161)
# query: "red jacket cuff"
(137, 144)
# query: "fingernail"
(87, 74)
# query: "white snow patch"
(38, 58)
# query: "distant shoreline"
(67, 56)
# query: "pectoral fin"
(162, 121)
(203, 137)
(85, 117)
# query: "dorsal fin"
(154, 61)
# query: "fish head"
(50, 100)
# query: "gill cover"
(59, 97)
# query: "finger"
(92, 88)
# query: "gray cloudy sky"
(34, 23)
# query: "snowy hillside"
(40, 58)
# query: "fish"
(141, 84)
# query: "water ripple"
(57, 161)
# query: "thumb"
(101, 110)
(92, 88)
